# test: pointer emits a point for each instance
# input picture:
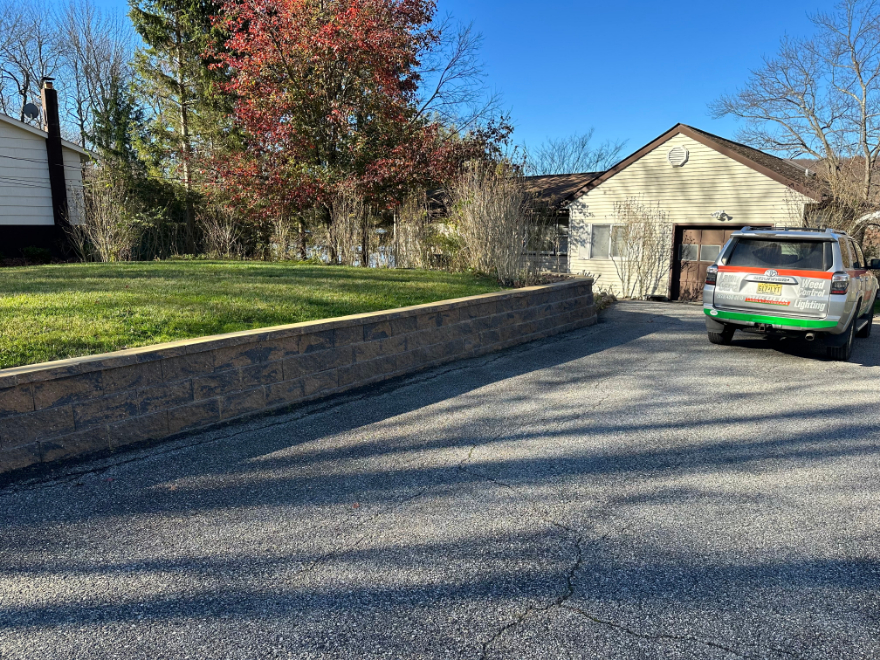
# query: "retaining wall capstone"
(61, 410)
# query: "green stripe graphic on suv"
(772, 320)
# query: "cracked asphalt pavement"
(624, 491)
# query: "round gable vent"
(677, 156)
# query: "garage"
(700, 188)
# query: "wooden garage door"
(696, 250)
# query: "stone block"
(438, 319)
(422, 338)
(354, 374)
(75, 445)
(162, 397)
(187, 366)
(404, 324)
(131, 377)
(380, 347)
(16, 458)
(310, 363)
(409, 361)
(282, 346)
(480, 309)
(246, 355)
(37, 425)
(138, 429)
(207, 387)
(242, 403)
(105, 410)
(321, 382)
(315, 341)
(15, 400)
(349, 334)
(285, 392)
(380, 330)
(62, 391)
(262, 374)
(193, 415)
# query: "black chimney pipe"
(57, 180)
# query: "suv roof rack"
(827, 230)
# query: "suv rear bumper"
(716, 316)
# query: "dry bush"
(412, 233)
(348, 222)
(490, 213)
(103, 231)
(641, 238)
(282, 239)
(220, 232)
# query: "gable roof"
(555, 189)
(36, 131)
(786, 172)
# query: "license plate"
(772, 289)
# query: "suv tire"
(844, 352)
(869, 316)
(722, 338)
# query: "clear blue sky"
(631, 69)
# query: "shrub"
(36, 255)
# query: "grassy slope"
(56, 312)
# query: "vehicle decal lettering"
(771, 320)
(727, 282)
(737, 297)
(810, 287)
(810, 304)
(769, 301)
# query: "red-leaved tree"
(326, 97)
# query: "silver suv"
(791, 282)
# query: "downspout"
(55, 155)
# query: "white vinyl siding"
(25, 195)
(708, 183)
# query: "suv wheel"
(869, 316)
(843, 353)
(722, 338)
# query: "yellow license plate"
(772, 289)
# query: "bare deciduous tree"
(572, 154)
(453, 80)
(641, 237)
(29, 51)
(96, 48)
(820, 97)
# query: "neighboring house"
(549, 195)
(33, 208)
(707, 187)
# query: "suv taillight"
(712, 275)
(839, 284)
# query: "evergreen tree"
(176, 80)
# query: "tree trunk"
(327, 220)
(185, 146)
(365, 242)
(301, 229)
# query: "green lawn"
(62, 311)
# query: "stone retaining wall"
(59, 410)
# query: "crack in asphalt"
(561, 602)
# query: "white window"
(606, 241)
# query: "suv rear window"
(793, 254)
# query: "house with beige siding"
(704, 188)
(31, 208)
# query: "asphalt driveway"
(623, 491)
